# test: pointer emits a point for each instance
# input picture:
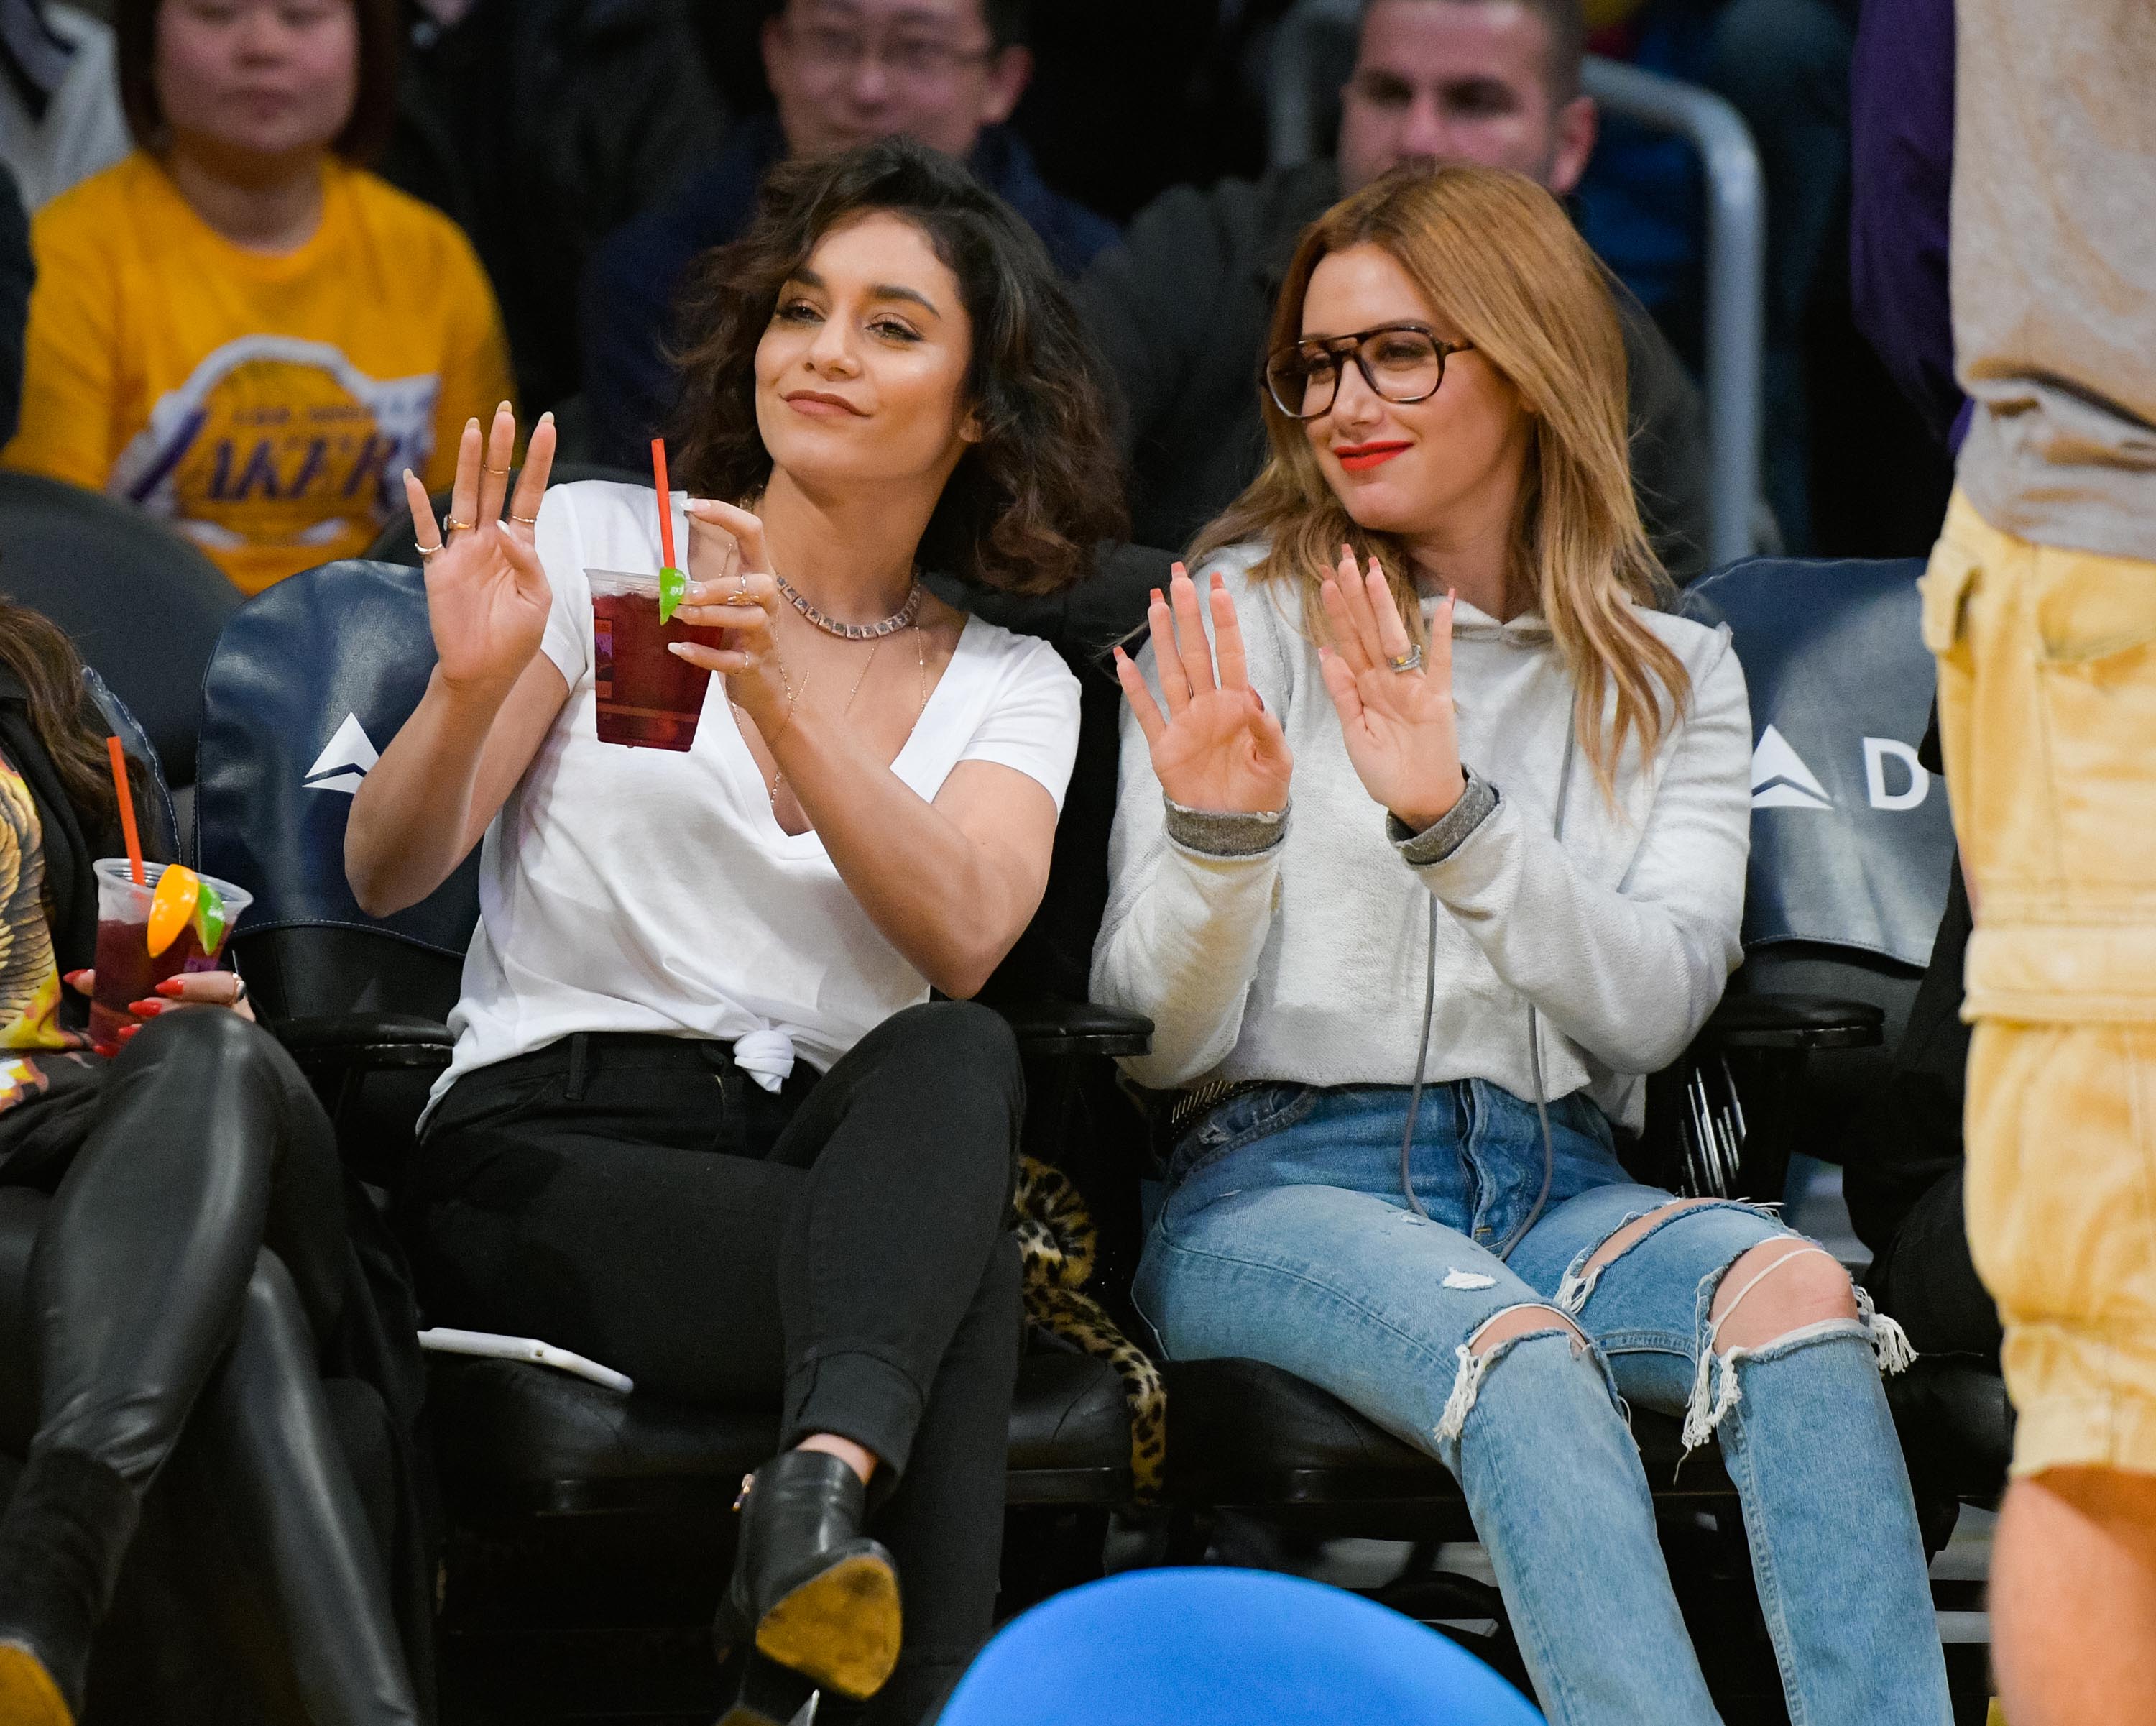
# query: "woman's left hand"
(189, 988)
(1400, 727)
(731, 588)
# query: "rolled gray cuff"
(1451, 830)
(1224, 833)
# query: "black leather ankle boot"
(61, 1541)
(811, 1591)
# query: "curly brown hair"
(1026, 504)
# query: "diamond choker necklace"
(899, 619)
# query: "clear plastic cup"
(648, 698)
(127, 971)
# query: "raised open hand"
(487, 593)
(1216, 748)
(1402, 732)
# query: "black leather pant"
(176, 1285)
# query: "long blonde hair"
(1497, 259)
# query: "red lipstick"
(1358, 457)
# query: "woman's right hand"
(487, 593)
(1216, 748)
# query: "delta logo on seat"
(1780, 780)
(346, 763)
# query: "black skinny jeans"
(176, 1284)
(839, 1249)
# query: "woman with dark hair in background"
(237, 328)
(174, 1252)
(703, 1123)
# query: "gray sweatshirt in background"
(2054, 268)
(1304, 961)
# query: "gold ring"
(741, 595)
(526, 520)
(451, 525)
(499, 473)
(426, 552)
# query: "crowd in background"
(263, 261)
(326, 332)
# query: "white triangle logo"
(1780, 780)
(345, 763)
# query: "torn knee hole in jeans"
(1482, 1351)
(1710, 1402)
(1586, 1270)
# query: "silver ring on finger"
(426, 552)
(1411, 661)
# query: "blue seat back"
(1851, 837)
(310, 679)
(1214, 1646)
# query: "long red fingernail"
(1156, 598)
(171, 986)
(127, 1031)
(147, 1010)
(74, 979)
(107, 1050)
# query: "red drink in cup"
(648, 698)
(127, 971)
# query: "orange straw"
(127, 810)
(666, 501)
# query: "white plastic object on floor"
(444, 1341)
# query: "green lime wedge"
(209, 918)
(672, 585)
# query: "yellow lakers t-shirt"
(265, 406)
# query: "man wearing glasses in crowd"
(844, 72)
(1181, 309)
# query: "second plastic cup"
(127, 971)
(648, 698)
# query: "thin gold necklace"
(793, 695)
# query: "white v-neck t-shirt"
(652, 891)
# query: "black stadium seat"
(310, 679)
(1851, 846)
(143, 605)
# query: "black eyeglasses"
(1401, 362)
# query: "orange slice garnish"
(172, 905)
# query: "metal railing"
(1314, 51)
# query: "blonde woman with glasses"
(1421, 865)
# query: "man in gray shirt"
(2040, 602)
(1181, 309)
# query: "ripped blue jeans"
(1285, 1237)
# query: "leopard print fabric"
(1056, 1244)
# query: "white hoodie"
(1303, 961)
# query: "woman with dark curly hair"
(703, 1123)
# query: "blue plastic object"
(1213, 1647)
